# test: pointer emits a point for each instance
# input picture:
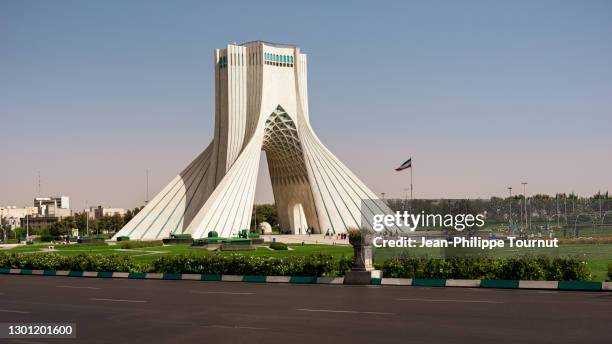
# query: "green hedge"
(81, 262)
(281, 246)
(126, 245)
(610, 272)
(527, 268)
(522, 268)
(311, 265)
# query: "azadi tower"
(261, 103)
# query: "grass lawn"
(598, 256)
(148, 254)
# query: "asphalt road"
(150, 311)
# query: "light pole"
(557, 201)
(510, 209)
(600, 213)
(87, 217)
(27, 224)
(254, 217)
(525, 196)
(565, 207)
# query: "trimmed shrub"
(610, 272)
(126, 245)
(279, 246)
(523, 268)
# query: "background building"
(53, 206)
(96, 213)
(11, 216)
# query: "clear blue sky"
(482, 94)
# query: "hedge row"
(526, 268)
(521, 268)
(81, 262)
(311, 265)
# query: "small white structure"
(265, 228)
(261, 104)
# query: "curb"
(415, 282)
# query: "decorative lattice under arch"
(283, 148)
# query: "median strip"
(400, 282)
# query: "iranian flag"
(405, 165)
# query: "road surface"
(158, 311)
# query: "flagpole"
(411, 167)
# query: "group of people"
(329, 233)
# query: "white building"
(53, 206)
(261, 103)
(11, 216)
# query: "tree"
(129, 215)
(264, 213)
(116, 222)
(62, 227)
(80, 221)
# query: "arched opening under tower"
(297, 219)
(290, 185)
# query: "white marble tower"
(261, 103)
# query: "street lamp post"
(525, 196)
(510, 209)
(565, 207)
(600, 212)
(87, 217)
(557, 201)
(27, 225)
